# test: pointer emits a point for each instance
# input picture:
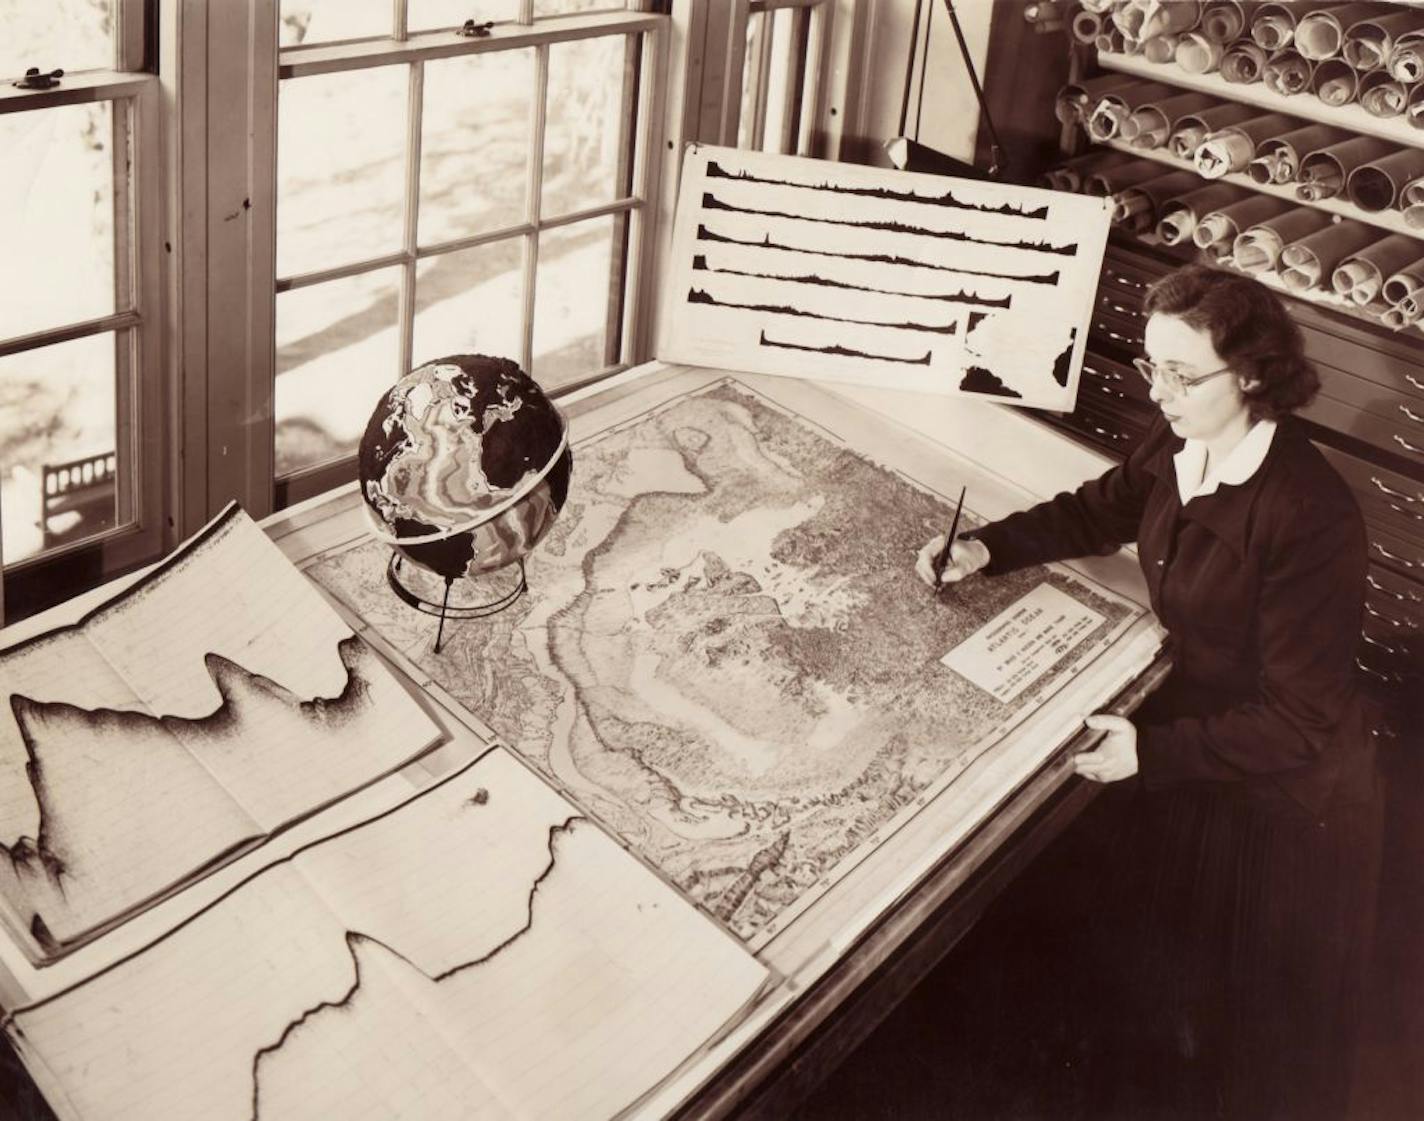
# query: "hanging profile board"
(841, 272)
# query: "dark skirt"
(1240, 930)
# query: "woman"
(1251, 806)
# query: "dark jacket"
(1261, 590)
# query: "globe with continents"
(464, 465)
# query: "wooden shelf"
(1307, 106)
(1391, 220)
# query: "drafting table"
(861, 943)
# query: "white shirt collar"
(1245, 460)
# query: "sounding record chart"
(882, 277)
(181, 721)
(477, 949)
(726, 655)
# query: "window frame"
(142, 448)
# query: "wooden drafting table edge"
(842, 1007)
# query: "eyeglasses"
(1170, 378)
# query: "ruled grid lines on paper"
(498, 926)
(213, 702)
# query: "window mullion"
(641, 288)
(761, 80)
(400, 20)
(535, 199)
(415, 110)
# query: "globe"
(464, 465)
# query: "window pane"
(305, 22)
(427, 15)
(57, 410)
(783, 80)
(746, 121)
(340, 168)
(474, 155)
(585, 126)
(56, 217)
(337, 351)
(56, 35)
(471, 302)
(576, 287)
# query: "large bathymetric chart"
(206, 706)
(727, 659)
(787, 265)
(470, 949)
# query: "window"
(442, 193)
(81, 450)
(778, 87)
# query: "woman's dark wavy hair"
(1251, 330)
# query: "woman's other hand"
(1115, 757)
(966, 558)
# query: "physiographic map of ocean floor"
(725, 654)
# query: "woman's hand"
(1115, 757)
(965, 558)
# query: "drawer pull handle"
(1405, 513)
(1386, 647)
(1415, 382)
(1374, 672)
(1112, 392)
(1405, 444)
(1397, 624)
(1411, 414)
(1379, 486)
(1402, 597)
(1382, 551)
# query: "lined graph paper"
(206, 706)
(479, 951)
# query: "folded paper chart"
(786, 265)
(725, 654)
(475, 950)
(180, 722)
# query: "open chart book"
(230, 892)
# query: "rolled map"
(1381, 95)
(1379, 184)
(1072, 175)
(1308, 262)
(1259, 248)
(1335, 81)
(1190, 130)
(1150, 125)
(1076, 99)
(1141, 20)
(1360, 276)
(1177, 218)
(1286, 73)
(1369, 42)
(1136, 208)
(1117, 105)
(1278, 158)
(1110, 40)
(1323, 172)
(1106, 181)
(1273, 26)
(1406, 61)
(1086, 26)
(1320, 34)
(1217, 230)
(1243, 62)
(1414, 111)
(1405, 281)
(1225, 20)
(1230, 149)
(1411, 201)
(1161, 48)
(1196, 54)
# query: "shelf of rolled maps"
(1283, 140)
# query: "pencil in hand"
(944, 554)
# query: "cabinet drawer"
(1124, 382)
(1127, 279)
(1115, 332)
(1389, 500)
(1395, 553)
(1388, 586)
(1120, 306)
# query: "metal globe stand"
(443, 609)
